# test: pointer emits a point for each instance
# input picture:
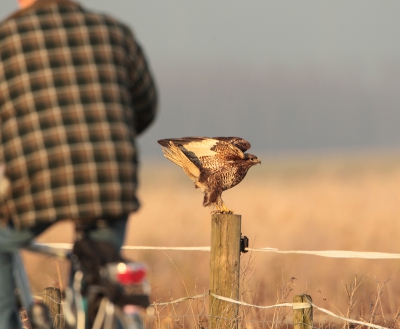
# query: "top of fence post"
(302, 317)
(224, 269)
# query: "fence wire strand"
(160, 306)
(292, 305)
(321, 253)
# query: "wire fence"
(192, 312)
(322, 253)
(250, 315)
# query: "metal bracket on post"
(244, 243)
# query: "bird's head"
(251, 158)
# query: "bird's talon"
(223, 212)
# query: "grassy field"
(337, 202)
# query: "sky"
(287, 75)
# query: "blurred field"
(347, 202)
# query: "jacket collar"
(40, 4)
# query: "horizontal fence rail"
(321, 253)
(294, 306)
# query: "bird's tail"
(174, 154)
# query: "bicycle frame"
(107, 313)
(20, 276)
(21, 280)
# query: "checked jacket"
(75, 91)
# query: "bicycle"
(102, 299)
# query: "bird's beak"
(259, 161)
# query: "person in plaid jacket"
(75, 92)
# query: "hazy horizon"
(288, 76)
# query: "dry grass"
(347, 202)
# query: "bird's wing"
(227, 150)
(239, 142)
(199, 148)
(173, 153)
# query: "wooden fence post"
(224, 269)
(52, 299)
(302, 317)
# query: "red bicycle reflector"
(130, 273)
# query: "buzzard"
(214, 164)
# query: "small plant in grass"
(283, 292)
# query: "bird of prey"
(213, 164)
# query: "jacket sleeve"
(143, 89)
